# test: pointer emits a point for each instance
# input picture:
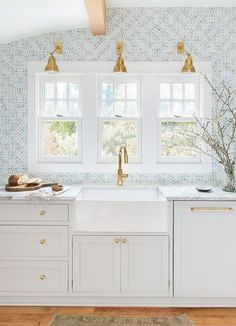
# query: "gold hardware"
(42, 277)
(42, 242)
(52, 65)
(211, 209)
(120, 174)
(42, 213)
(116, 240)
(124, 240)
(188, 65)
(120, 66)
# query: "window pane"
(49, 90)
(189, 109)
(73, 109)
(118, 133)
(61, 108)
(107, 109)
(119, 108)
(177, 108)
(172, 141)
(107, 91)
(189, 91)
(49, 108)
(131, 91)
(177, 91)
(131, 109)
(59, 138)
(165, 91)
(61, 90)
(165, 109)
(74, 90)
(120, 91)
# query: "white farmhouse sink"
(121, 209)
(121, 194)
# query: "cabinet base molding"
(115, 301)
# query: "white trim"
(87, 71)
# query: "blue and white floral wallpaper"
(149, 34)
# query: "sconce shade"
(52, 65)
(188, 66)
(120, 66)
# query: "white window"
(178, 103)
(119, 117)
(83, 114)
(59, 119)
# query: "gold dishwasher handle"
(211, 209)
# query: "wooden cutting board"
(25, 187)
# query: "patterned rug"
(119, 321)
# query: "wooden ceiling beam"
(96, 10)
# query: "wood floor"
(40, 316)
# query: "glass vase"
(229, 180)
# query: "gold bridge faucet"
(120, 174)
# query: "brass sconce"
(188, 65)
(120, 66)
(52, 65)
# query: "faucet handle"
(125, 175)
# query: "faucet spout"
(120, 174)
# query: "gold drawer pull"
(124, 240)
(116, 240)
(42, 213)
(43, 241)
(42, 277)
(211, 209)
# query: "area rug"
(60, 320)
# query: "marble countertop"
(71, 192)
(181, 192)
(68, 193)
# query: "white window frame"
(118, 78)
(196, 79)
(149, 73)
(44, 78)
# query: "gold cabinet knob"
(42, 241)
(42, 213)
(124, 240)
(42, 277)
(116, 240)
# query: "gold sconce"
(188, 65)
(120, 66)
(52, 65)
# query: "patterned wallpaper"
(150, 34)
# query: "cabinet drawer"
(33, 241)
(33, 276)
(34, 212)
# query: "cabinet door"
(205, 249)
(144, 264)
(96, 264)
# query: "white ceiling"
(25, 18)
